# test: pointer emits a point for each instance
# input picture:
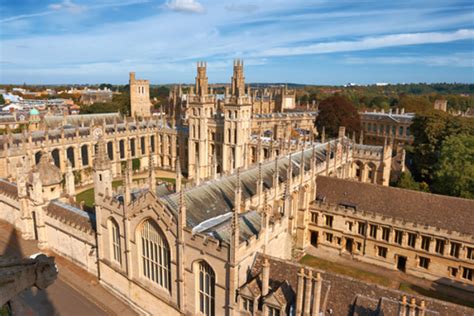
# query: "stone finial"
(265, 277)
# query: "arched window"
(207, 284)
(155, 255)
(115, 241)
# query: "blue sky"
(314, 42)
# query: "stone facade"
(140, 105)
(394, 125)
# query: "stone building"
(140, 105)
(426, 235)
(378, 125)
(226, 243)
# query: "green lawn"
(411, 288)
(381, 280)
(88, 195)
(345, 270)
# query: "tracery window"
(115, 241)
(155, 255)
(207, 284)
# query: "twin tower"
(140, 104)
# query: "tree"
(337, 111)
(120, 102)
(454, 174)
(406, 181)
(429, 131)
(416, 104)
(2, 100)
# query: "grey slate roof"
(216, 197)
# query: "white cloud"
(25, 16)
(369, 43)
(453, 60)
(185, 6)
(242, 7)
(67, 5)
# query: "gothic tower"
(238, 79)
(237, 122)
(139, 97)
(201, 110)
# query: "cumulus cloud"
(67, 5)
(185, 6)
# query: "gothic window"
(455, 247)
(132, 147)
(373, 231)
(110, 150)
(155, 255)
(425, 243)
(273, 311)
(314, 218)
(247, 305)
(122, 149)
(70, 156)
(207, 284)
(115, 241)
(329, 237)
(411, 240)
(56, 160)
(38, 157)
(329, 220)
(85, 155)
(143, 145)
(398, 237)
(385, 233)
(152, 143)
(361, 228)
(440, 246)
(467, 273)
(470, 253)
(424, 262)
(382, 252)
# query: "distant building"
(89, 97)
(377, 126)
(441, 105)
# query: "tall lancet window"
(155, 255)
(207, 283)
(115, 241)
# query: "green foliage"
(77, 177)
(442, 154)
(406, 181)
(135, 164)
(416, 104)
(120, 102)
(429, 131)
(454, 172)
(337, 111)
(2, 100)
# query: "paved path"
(396, 277)
(75, 292)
